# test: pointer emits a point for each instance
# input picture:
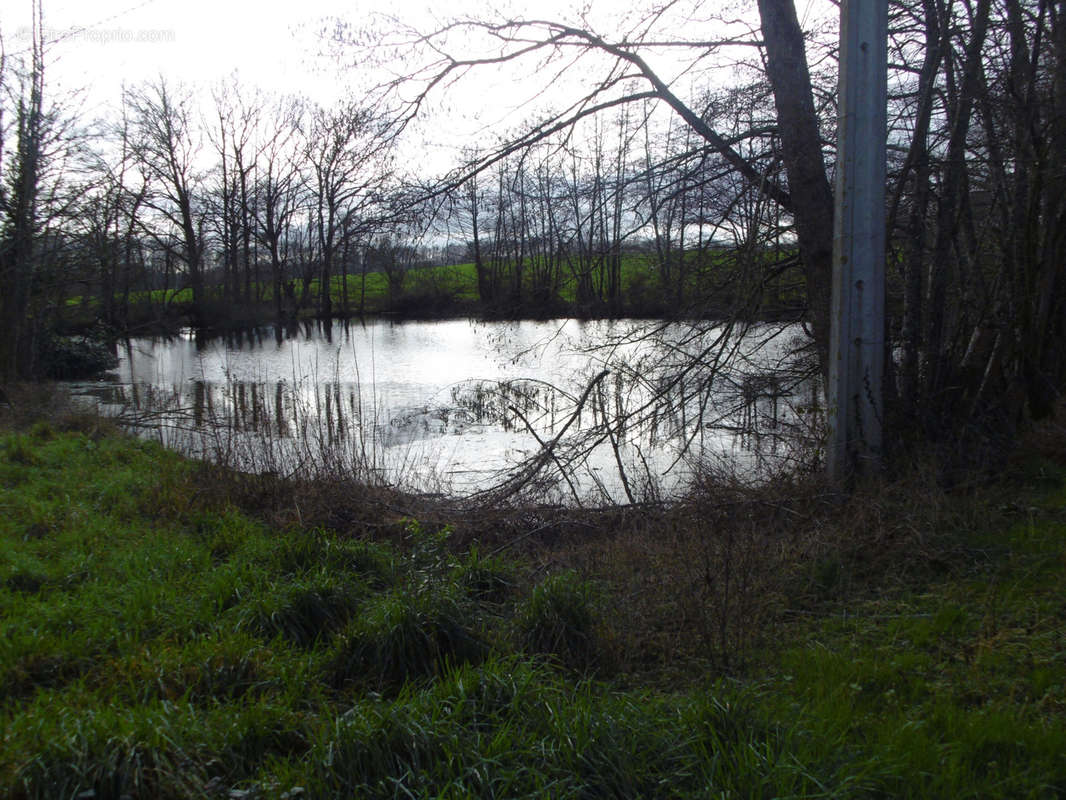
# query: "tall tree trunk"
(17, 248)
(801, 149)
(917, 164)
(951, 187)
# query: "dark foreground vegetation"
(170, 629)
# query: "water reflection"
(608, 410)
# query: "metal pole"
(856, 364)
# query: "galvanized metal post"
(856, 364)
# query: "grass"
(158, 639)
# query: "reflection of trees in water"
(664, 399)
(503, 402)
(683, 398)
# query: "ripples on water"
(630, 410)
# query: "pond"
(561, 410)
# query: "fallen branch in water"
(520, 479)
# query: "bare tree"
(231, 136)
(107, 223)
(167, 143)
(348, 165)
(279, 194)
(467, 208)
(36, 200)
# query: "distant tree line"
(633, 216)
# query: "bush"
(75, 357)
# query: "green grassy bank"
(166, 634)
(713, 284)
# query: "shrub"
(71, 358)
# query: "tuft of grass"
(18, 450)
(403, 636)
(318, 549)
(303, 611)
(26, 581)
(161, 749)
(485, 579)
(558, 621)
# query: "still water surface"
(631, 409)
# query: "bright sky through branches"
(97, 46)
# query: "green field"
(713, 284)
(158, 638)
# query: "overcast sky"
(101, 43)
(97, 46)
